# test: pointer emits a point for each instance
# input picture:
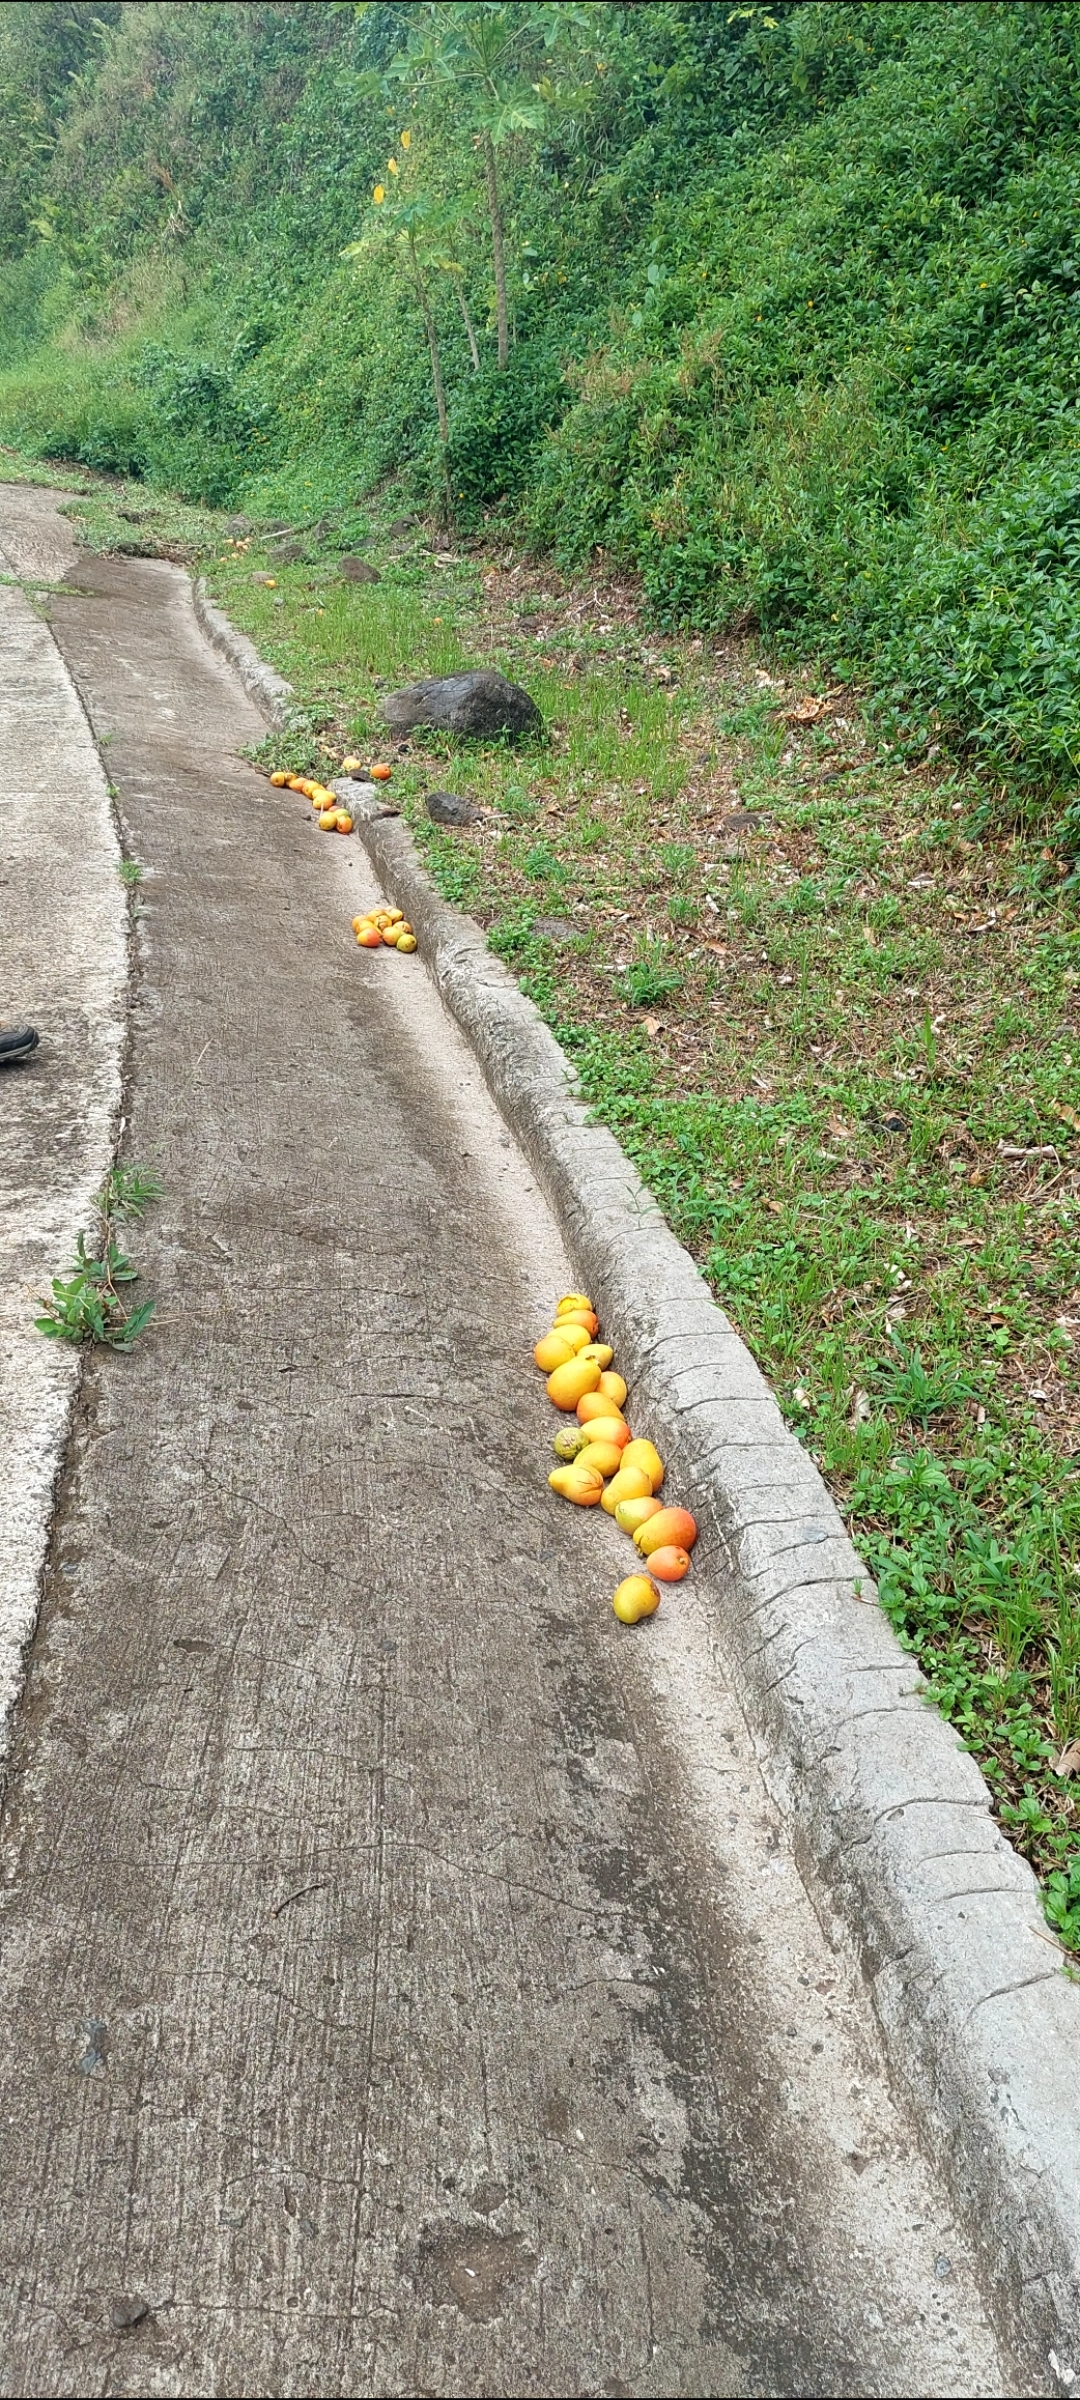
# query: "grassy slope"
(801, 302)
(840, 1040)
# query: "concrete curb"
(981, 2023)
(265, 686)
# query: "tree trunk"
(433, 346)
(468, 323)
(495, 213)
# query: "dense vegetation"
(793, 301)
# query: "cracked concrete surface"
(407, 1980)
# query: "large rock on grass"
(480, 705)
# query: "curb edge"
(262, 683)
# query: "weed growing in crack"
(88, 1305)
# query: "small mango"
(613, 1387)
(602, 1352)
(568, 1441)
(669, 1562)
(572, 1300)
(636, 1597)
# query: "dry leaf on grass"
(1069, 1762)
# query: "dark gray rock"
(400, 525)
(357, 570)
(479, 704)
(448, 808)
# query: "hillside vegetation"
(792, 303)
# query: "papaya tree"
(413, 226)
(487, 57)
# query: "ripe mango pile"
(384, 928)
(332, 817)
(601, 1463)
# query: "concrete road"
(378, 2012)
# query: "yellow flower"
(379, 192)
(406, 138)
(391, 166)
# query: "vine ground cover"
(831, 1014)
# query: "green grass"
(842, 1048)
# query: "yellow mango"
(631, 1483)
(565, 1330)
(644, 1454)
(613, 1387)
(636, 1597)
(632, 1513)
(570, 1382)
(601, 1351)
(604, 1456)
(552, 1352)
(580, 1484)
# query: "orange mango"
(669, 1562)
(594, 1404)
(671, 1525)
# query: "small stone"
(480, 704)
(124, 2315)
(448, 808)
(400, 525)
(357, 570)
(556, 929)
